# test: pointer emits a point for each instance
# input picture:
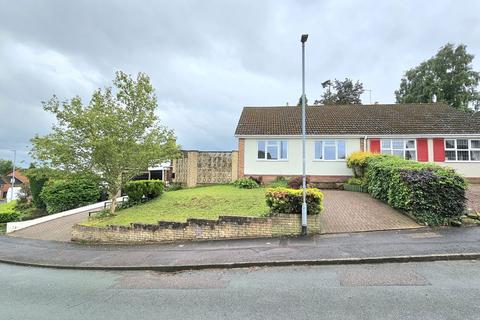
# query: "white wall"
(293, 166)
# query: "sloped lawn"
(201, 202)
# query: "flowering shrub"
(284, 200)
(357, 161)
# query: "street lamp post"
(13, 173)
(304, 178)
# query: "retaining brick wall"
(226, 227)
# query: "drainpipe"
(365, 143)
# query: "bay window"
(272, 150)
(462, 149)
(406, 149)
(330, 150)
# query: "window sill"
(319, 160)
(271, 160)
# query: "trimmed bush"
(284, 200)
(8, 213)
(37, 178)
(357, 161)
(297, 182)
(139, 189)
(356, 181)
(429, 192)
(246, 183)
(61, 195)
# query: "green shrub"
(37, 178)
(280, 182)
(8, 212)
(139, 189)
(61, 195)
(357, 181)
(284, 200)
(174, 186)
(246, 183)
(429, 192)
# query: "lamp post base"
(304, 230)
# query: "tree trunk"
(114, 204)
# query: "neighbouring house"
(161, 172)
(270, 138)
(6, 184)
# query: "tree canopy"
(6, 166)
(448, 75)
(116, 135)
(344, 92)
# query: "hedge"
(61, 195)
(8, 213)
(429, 192)
(136, 190)
(285, 200)
(246, 183)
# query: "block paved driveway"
(347, 211)
(57, 230)
(473, 197)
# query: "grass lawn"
(201, 202)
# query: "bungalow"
(270, 144)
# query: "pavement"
(344, 212)
(423, 244)
(430, 291)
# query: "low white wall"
(14, 226)
(467, 169)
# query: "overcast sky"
(208, 59)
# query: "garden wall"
(226, 227)
(205, 167)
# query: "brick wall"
(226, 227)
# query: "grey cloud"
(208, 59)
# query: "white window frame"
(276, 144)
(455, 149)
(404, 149)
(323, 150)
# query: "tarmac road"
(428, 290)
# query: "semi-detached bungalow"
(270, 144)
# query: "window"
(272, 149)
(406, 149)
(462, 150)
(330, 150)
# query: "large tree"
(448, 75)
(116, 136)
(344, 92)
(6, 166)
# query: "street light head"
(304, 38)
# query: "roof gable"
(432, 118)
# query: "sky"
(209, 59)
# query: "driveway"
(57, 230)
(473, 197)
(347, 211)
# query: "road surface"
(434, 290)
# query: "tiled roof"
(18, 175)
(378, 119)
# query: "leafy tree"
(448, 75)
(6, 166)
(344, 92)
(117, 135)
